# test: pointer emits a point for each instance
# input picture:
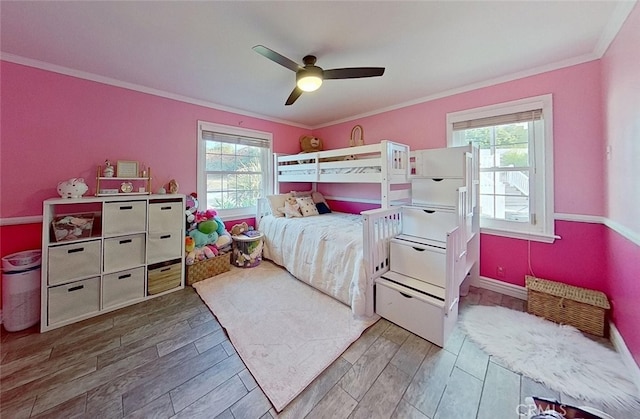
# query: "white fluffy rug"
(560, 357)
(286, 332)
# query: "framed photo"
(127, 169)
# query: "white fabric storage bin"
(428, 223)
(417, 312)
(166, 216)
(437, 192)
(420, 261)
(163, 246)
(73, 300)
(124, 217)
(73, 261)
(124, 252)
(122, 287)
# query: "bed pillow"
(307, 206)
(276, 202)
(318, 198)
(300, 194)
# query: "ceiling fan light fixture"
(309, 79)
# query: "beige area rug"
(285, 331)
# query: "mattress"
(324, 251)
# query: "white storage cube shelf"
(109, 270)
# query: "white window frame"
(267, 181)
(543, 205)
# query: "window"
(515, 141)
(234, 169)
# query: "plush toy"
(224, 240)
(208, 227)
(238, 229)
(309, 144)
(202, 239)
(191, 209)
(189, 244)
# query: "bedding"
(324, 251)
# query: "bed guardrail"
(379, 227)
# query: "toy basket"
(207, 268)
(565, 304)
(72, 227)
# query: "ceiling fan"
(309, 77)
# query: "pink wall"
(621, 85)
(55, 127)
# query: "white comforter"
(325, 251)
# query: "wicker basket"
(207, 268)
(565, 304)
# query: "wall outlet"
(500, 272)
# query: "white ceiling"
(201, 51)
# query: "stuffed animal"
(201, 238)
(238, 229)
(309, 144)
(189, 244)
(291, 208)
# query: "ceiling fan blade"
(353, 73)
(295, 94)
(275, 57)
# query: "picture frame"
(127, 169)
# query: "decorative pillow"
(318, 197)
(323, 208)
(290, 210)
(307, 206)
(276, 202)
(300, 194)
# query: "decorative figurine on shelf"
(109, 171)
(72, 188)
(173, 186)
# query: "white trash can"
(21, 290)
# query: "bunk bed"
(339, 254)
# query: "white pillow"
(276, 202)
(300, 194)
(290, 210)
(307, 206)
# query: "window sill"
(537, 237)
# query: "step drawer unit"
(416, 306)
(428, 222)
(435, 192)
(110, 269)
(419, 259)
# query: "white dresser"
(133, 250)
(438, 247)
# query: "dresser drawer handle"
(429, 211)
(126, 207)
(76, 250)
(164, 208)
(166, 236)
(165, 269)
(405, 295)
(125, 276)
(125, 241)
(79, 287)
(417, 249)
(438, 179)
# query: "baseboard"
(627, 358)
(502, 287)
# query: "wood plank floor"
(169, 357)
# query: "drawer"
(124, 252)
(436, 192)
(428, 223)
(73, 300)
(414, 311)
(73, 261)
(122, 287)
(442, 162)
(124, 217)
(419, 261)
(166, 216)
(164, 276)
(163, 246)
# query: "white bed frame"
(390, 159)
